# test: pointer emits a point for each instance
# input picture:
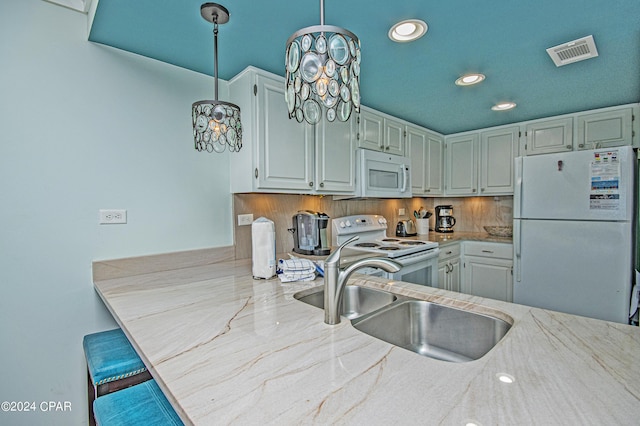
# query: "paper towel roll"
(263, 248)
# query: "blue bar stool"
(112, 364)
(142, 404)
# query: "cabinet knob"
(481, 189)
(310, 183)
(256, 173)
(569, 147)
(474, 190)
(580, 145)
(321, 184)
(427, 190)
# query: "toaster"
(406, 228)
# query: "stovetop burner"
(366, 245)
(388, 248)
(390, 240)
(411, 243)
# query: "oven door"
(418, 268)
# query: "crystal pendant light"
(216, 124)
(322, 72)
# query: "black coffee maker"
(444, 219)
(310, 233)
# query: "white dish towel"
(296, 270)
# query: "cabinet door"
(548, 136)
(393, 136)
(443, 275)
(435, 165)
(498, 148)
(285, 147)
(462, 165)
(426, 151)
(605, 129)
(454, 274)
(417, 152)
(370, 130)
(490, 278)
(335, 157)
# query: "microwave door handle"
(405, 177)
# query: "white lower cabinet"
(488, 270)
(449, 267)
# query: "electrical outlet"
(245, 219)
(112, 217)
(401, 212)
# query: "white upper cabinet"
(481, 163)
(547, 136)
(380, 132)
(281, 155)
(335, 157)
(498, 148)
(426, 151)
(461, 169)
(606, 129)
(601, 128)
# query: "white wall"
(84, 127)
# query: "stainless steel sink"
(357, 301)
(433, 330)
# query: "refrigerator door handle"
(517, 193)
(517, 240)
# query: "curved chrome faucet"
(335, 279)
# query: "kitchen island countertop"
(226, 348)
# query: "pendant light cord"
(215, 53)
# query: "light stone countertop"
(227, 349)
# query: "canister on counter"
(263, 248)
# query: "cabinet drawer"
(495, 250)
(449, 251)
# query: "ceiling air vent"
(574, 51)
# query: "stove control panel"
(367, 226)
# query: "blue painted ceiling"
(504, 39)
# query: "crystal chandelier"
(216, 124)
(322, 71)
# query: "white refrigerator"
(573, 232)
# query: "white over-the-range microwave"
(380, 175)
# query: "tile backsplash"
(471, 213)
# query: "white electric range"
(419, 258)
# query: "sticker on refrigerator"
(605, 181)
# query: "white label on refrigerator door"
(605, 181)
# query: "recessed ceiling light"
(469, 79)
(504, 106)
(408, 30)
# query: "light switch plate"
(245, 219)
